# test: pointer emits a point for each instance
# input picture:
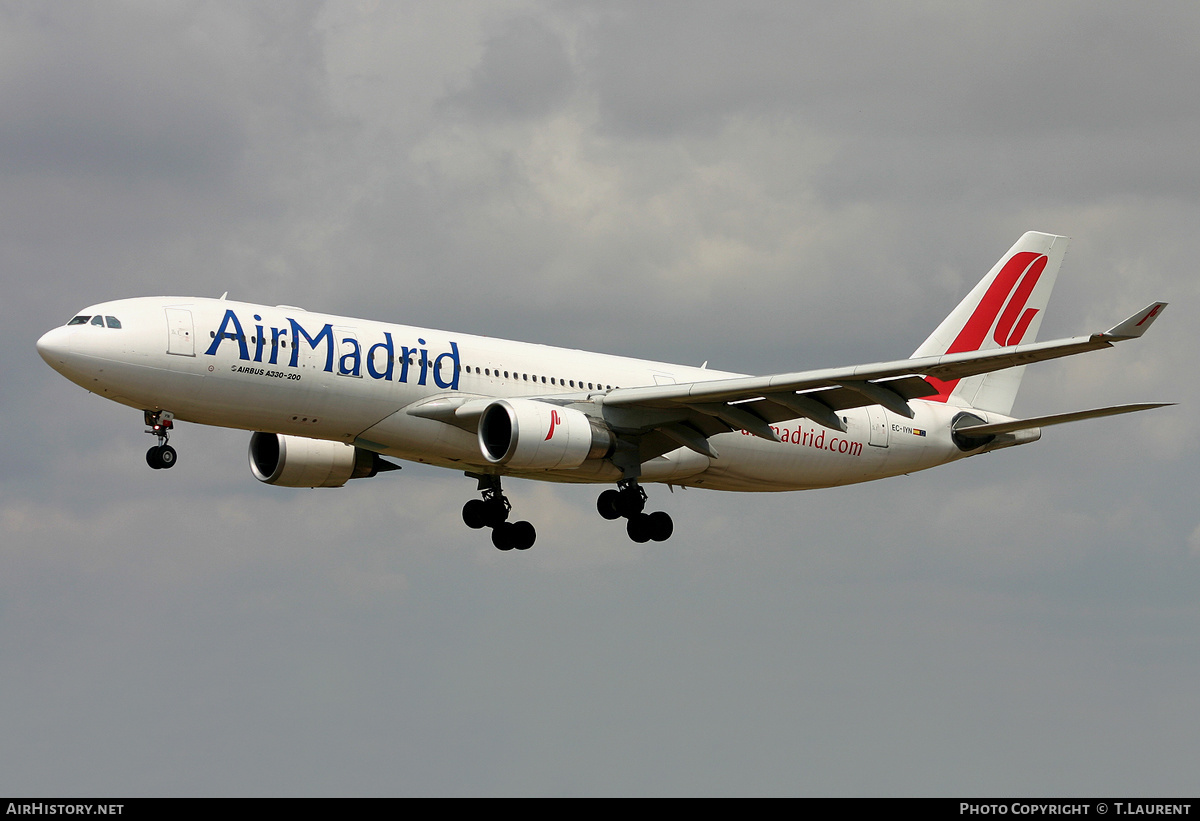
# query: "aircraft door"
(877, 419)
(349, 353)
(180, 332)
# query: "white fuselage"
(285, 370)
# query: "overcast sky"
(768, 186)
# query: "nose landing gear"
(629, 501)
(492, 511)
(162, 455)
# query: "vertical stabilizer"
(1005, 308)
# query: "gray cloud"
(524, 72)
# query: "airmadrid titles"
(343, 353)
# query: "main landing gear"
(492, 511)
(629, 501)
(162, 455)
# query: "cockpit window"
(98, 321)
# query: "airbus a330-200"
(330, 398)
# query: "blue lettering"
(389, 355)
(350, 364)
(224, 333)
(405, 353)
(380, 358)
(298, 332)
(454, 368)
(275, 334)
(260, 340)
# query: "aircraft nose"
(54, 346)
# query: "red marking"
(1013, 309)
(1022, 326)
(1010, 291)
(554, 420)
(1147, 316)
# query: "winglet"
(1137, 324)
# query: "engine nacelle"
(523, 433)
(296, 461)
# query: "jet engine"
(296, 461)
(523, 433)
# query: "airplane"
(330, 398)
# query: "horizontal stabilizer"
(1056, 419)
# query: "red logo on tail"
(554, 421)
(1009, 291)
(1147, 316)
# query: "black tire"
(502, 536)
(661, 526)
(152, 458)
(522, 534)
(639, 528)
(607, 504)
(167, 456)
(475, 514)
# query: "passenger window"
(79, 320)
(112, 322)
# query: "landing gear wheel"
(608, 504)
(522, 534)
(502, 536)
(475, 514)
(493, 511)
(161, 455)
(640, 528)
(661, 526)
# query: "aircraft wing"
(687, 414)
(751, 403)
